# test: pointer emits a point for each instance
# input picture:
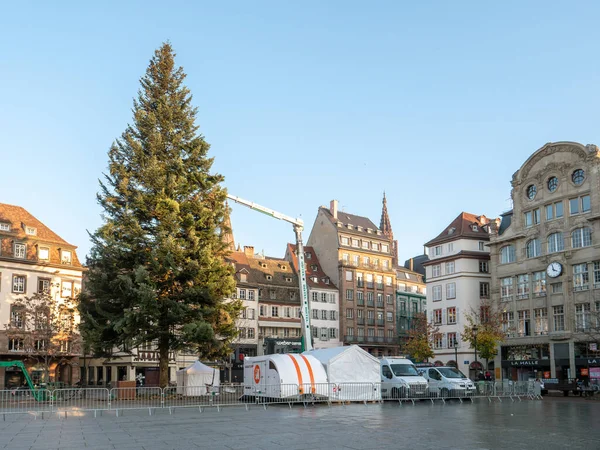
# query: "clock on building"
(554, 269)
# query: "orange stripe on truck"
(298, 372)
(310, 373)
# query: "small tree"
(45, 328)
(488, 322)
(419, 344)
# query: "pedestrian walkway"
(480, 425)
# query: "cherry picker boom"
(298, 225)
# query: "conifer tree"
(156, 268)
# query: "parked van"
(400, 379)
(448, 381)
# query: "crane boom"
(298, 227)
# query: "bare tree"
(44, 328)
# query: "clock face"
(554, 269)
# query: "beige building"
(545, 260)
(360, 259)
(34, 259)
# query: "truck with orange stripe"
(285, 376)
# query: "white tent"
(353, 372)
(197, 379)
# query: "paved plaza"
(552, 423)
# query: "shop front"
(525, 362)
(287, 345)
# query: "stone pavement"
(546, 424)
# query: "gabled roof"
(311, 263)
(357, 221)
(462, 228)
(19, 218)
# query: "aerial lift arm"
(298, 227)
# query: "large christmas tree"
(156, 269)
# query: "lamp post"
(475, 329)
(456, 353)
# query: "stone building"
(359, 257)
(545, 260)
(411, 301)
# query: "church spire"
(227, 234)
(386, 225)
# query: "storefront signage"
(584, 372)
(532, 362)
(593, 361)
(593, 347)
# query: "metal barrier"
(71, 400)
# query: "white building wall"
(328, 309)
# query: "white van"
(400, 379)
(448, 382)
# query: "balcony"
(360, 302)
(360, 283)
(360, 320)
(370, 285)
(380, 322)
(370, 340)
(370, 321)
(380, 305)
(370, 303)
(380, 286)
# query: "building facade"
(34, 260)
(458, 280)
(359, 257)
(411, 302)
(546, 265)
(323, 299)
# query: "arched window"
(555, 243)
(534, 248)
(581, 237)
(507, 254)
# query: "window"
(581, 237)
(559, 318)
(437, 251)
(533, 248)
(345, 240)
(483, 267)
(379, 282)
(438, 341)
(508, 319)
(273, 295)
(242, 333)
(549, 212)
(531, 191)
(369, 299)
(350, 331)
(506, 288)
(250, 294)
(580, 277)
(43, 285)
(251, 333)
(523, 286)
(360, 298)
(20, 250)
(582, 317)
(40, 345)
(507, 254)
(436, 270)
(324, 297)
(315, 332)
(4, 226)
(388, 299)
(524, 323)
(315, 296)
(16, 317)
(332, 333)
(389, 317)
(536, 216)
(349, 294)
(552, 184)
(16, 344)
(19, 284)
(44, 253)
(65, 257)
(555, 243)
(437, 316)
(315, 313)
(451, 315)
(348, 275)
(365, 245)
(323, 314)
(579, 205)
(242, 294)
(539, 283)
(578, 176)
(388, 281)
(557, 288)
(475, 228)
(349, 313)
(437, 293)
(481, 246)
(332, 315)
(274, 311)
(449, 267)
(540, 316)
(262, 311)
(287, 312)
(332, 297)
(596, 274)
(355, 243)
(380, 300)
(385, 263)
(484, 290)
(452, 341)
(450, 247)
(66, 289)
(450, 290)
(528, 219)
(65, 346)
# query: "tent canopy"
(348, 364)
(198, 374)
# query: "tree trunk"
(163, 352)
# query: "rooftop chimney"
(333, 207)
(411, 265)
(249, 251)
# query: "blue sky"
(437, 103)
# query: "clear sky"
(437, 103)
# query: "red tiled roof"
(462, 227)
(313, 268)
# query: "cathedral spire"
(227, 234)
(386, 225)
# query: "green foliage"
(156, 268)
(489, 323)
(419, 345)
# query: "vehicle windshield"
(451, 372)
(404, 370)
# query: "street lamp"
(456, 352)
(475, 330)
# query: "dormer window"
(313, 267)
(326, 280)
(269, 277)
(350, 226)
(308, 255)
(359, 228)
(339, 224)
(43, 253)
(282, 267)
(314, 279)
(31, 231)
(288, 279)
(475, 228)
(369, 230)
(379, 232)
(451, 230)
(243, 277)
(20, 250)
(4, 226)
(65, 257)
(263, 265)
